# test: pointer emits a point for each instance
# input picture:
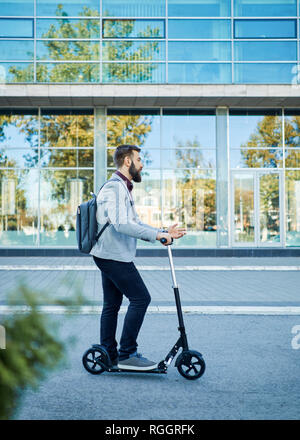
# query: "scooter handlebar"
(164, 240)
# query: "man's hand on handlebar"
(173, 232)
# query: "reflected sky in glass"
(265, 50)
(265, 29)
(72, 8)
(199, 8)
(199, 29)
(134, 8)
(265, 8)
(188, 131)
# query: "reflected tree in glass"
(264, 147)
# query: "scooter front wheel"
(190, 364)
(93, 360)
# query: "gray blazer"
(118, 241)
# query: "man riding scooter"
(114, 253)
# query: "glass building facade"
(229, 173)
(158, 41)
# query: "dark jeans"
(118, 279)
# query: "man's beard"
(135, 174)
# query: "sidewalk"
(263, 282)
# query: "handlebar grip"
(164, 240)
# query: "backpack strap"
(107, 223)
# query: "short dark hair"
(122, 151)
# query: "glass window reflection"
(202, 73)
(17, 7)
(16, 28)
(19, 207)
(67, 50)
(79, 158)
(133, 28)
(61, 192)
(19, 129)
(199, 8)
(255, 129)
(67, 28)
(292, 128)
(269, 73)
(136, 127)
(16, 50)
(199, 51)
(64, 8)
(265, 29)
(199, 29)
(14, 158)
(67, 129)
(256, 158)
(70, 73)
(189, 198)
(265, 50)
(16, 72)
(133, 73)
(134, 8)
(188, 128)
(133, 50)
(265, 8)
(292, 195)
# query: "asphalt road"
(252, 372)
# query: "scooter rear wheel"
(92, 360)
(190, 364)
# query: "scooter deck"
(123, 370)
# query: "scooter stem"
(172, 266)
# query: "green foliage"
(32, 349)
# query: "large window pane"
(71, 72)
(265, 51)
(292, 128)
(199, 8)
(63, 128)
(16, 72)
(209, 73)
(189, 198)
(199, 51)
(133, 50)
(55, 158)
(199, 29)
(19, 207)
(16, 50)
(133, 28)
(188, 128)
(67, 28)
(188, 158)
(136, 127)
(16, 28)
(19, 129)
(134, 8)
(16, 7)
(264, 73)
(147, 199)
(265, 29)
(292, 188)
(265, 8)
(15, 158)
(73, 8)
(61, 192)
(255, 129)
(133, 72)
(150, 158)
(67, 50)
(256, 158)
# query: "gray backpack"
(86, 223)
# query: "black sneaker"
(137, 362)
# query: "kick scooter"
(189, 363)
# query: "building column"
(100, 150)
(222, 176)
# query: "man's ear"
(127, 161)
